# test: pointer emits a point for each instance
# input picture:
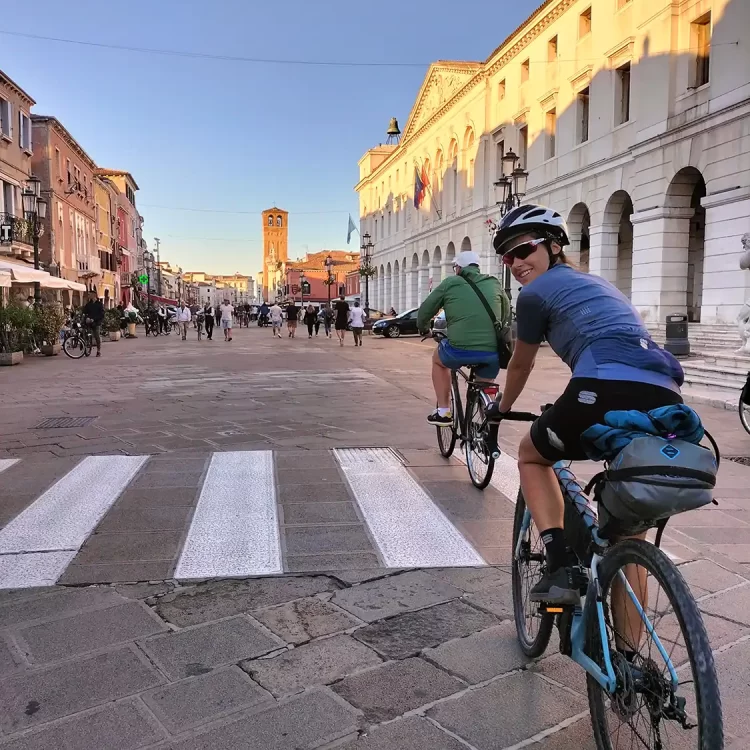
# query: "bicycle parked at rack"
(744, 405)
(79, 340)
(477, 437)
(640, 696)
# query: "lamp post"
(158, 261)
(328, 265)
(511, 188)
(366, 268)
(35, 210)
(302, 280)
(148, 260)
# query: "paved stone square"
(338, 649)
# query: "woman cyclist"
(615, 365)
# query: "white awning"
(23, 274)
(53, 282)
(4, 279)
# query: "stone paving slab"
(125, 725)
(396, 687)
(88, 631)
(116, 572)
(480, 656)
(529, 705)
(320, 662)
(307, 721)
(316, 513)
(215, 600)
(331, 562)
(471, 579)
(53, 603)
(9, 662)
(32, 698)
(190, 702)
(311, 540)
(733, 605)
(414, 733)
(390, 596)
(148, 546)
(497, 599)
(304, 619)
(407, 634)
(706, 576)
(199, 649)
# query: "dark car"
(400, 325)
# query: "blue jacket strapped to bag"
(655, 469)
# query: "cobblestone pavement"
(340, 651)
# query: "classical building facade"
(632, 118)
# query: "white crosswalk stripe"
(6, 463)
(40, 543)
(409, 529)
(235, 529)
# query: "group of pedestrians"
(205, 316)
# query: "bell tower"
(275, 235)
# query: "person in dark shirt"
(93, 314)
(341, 306)
(292, 313)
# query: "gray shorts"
(226, 323)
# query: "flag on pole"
(419, 189)
(352, 228)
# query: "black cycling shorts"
(557, 432)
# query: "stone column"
(725, 288)
(603, 251)
(436, 273)
(424, 284)
(660, 262)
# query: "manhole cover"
(52, 423)
(744, 460)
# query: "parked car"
(392, 328)
(439, 323)
(373, 316)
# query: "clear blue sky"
(236, 136)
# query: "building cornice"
(16, 89)
(66, 136)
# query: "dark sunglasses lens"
(521, 252)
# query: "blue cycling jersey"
(593, 328)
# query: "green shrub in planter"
(48, 322)
(16, 326)
(112, 319)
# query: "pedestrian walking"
(217, 315)
(184, 317)
(357, 321)
(277, 316)
(162, 314)
(93, 315)
(226, 311)
(292, 313)
(208, 311)
(310, 320)
(327, 319)
(263, 313)
(317, 320)
(342, 318)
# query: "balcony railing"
(15, 229)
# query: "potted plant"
(16, 323)
(132, 318)
(48, 321)
(112, 323)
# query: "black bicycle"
(79, 340)
(478, 438)
(745, 405)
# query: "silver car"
(439, 323)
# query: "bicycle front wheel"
(745, 415)
(480, 442)
(533, 628)
(74, 346)
(665, 697)
(446, 436)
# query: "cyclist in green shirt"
(472, 337)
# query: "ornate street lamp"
(302, 280)
(365, 267)
(511, 189)
(35, 211)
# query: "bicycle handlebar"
(518, 416)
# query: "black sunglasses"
(522, 251)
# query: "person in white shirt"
(183, 318)
(277, 316)
(226, 319)
(357, 321)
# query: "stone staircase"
(714, 371)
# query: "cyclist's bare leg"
(541, 490)
(627, 621)
(441, 382)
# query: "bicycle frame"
(573, 493)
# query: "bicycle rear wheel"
(647, 710)
(446, 436)
(480, 442)
(74, 346)
(533, 628)
(745, 415)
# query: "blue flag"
(352, 228)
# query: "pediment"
(442, 82)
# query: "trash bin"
(677, 341)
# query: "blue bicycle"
(645, 689)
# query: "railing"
(15, 229)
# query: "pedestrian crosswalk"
(235, 524)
